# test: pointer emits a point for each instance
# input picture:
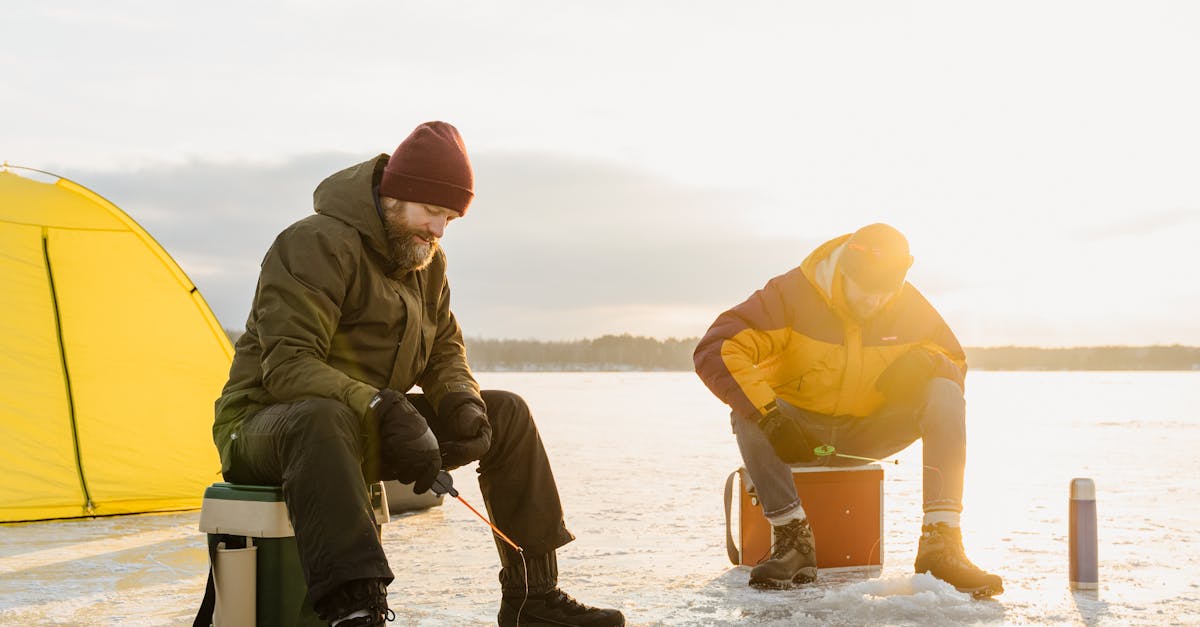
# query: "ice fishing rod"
(444, 484)
(826, 451)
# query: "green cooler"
(256, 568)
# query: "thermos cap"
(1083, 489)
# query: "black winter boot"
(369, 595)
(940, 553)
(793, 558)
(531, 576)
(541, 602)
(555, 608)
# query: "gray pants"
(938, 420)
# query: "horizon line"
(469, 338)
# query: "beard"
(408, 255)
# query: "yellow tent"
(109, 361)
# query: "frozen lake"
(641, 459)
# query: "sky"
(642, 166)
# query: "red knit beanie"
(876, 257)
(430, 166)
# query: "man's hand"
(904, 381)
(790, 442)
(409, 448)
(462, 429)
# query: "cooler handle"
(730, 547)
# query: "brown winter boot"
(793, 558)
(940, 553)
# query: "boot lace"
(565, 603)
(794, 535)
(953, 552)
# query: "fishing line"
(828, 450)
(872, 553)
(444, 484)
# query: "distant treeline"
(635, 353)
(1085, 358)
(629, 352)
(609, 352)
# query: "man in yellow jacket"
(842, 352)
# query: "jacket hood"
(349, 196)
(822, 269)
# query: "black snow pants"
(315, 449)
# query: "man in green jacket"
(352, 310)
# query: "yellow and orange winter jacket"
(795, 339)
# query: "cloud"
(553, 232)
(549, 235)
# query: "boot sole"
(553, 623)
(985, 591)
(542, 621)
(982, 592)
(801, 578)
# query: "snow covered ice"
(641, 459)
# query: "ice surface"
(641, 459)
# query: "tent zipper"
(62, 354)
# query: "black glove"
(904, 381)
(790, 442)
(410, 450)
(462, 429)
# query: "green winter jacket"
(328, 319)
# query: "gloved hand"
(904, 381)
(409, 448)
(790, 442)
(462, 429)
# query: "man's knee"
(505, 405)
(945, 392)
(511, 420)
(945, 404)
(323, 418)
